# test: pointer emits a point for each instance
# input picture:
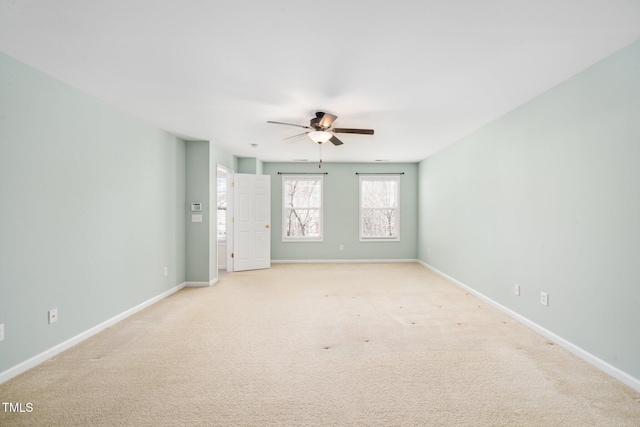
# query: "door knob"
(267, 226)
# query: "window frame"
(380, 177)
(222, 241)
(308, 177)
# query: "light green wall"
(222, 157)
(250, 165)
(91, 210)
(247, 165)
(202, 159)
(197, 233)
(341, 213)
(548, 197)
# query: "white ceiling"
(421, 73)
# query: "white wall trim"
(201, 284)
(337, 261)
(47, 354)
(607, 368)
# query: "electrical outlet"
(516, 289)
(544, 298)
(2, 332)
(342, 247)
(166, 271)
(428, 251)
(53, 315)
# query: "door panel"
(261, 209)
(252, 228)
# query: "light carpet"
(320, 345)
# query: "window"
(302, 208)
(379, 208)
(223, 180)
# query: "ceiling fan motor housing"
(315, 123)
(322, 120)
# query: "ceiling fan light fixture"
(319, 136)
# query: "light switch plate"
(196, 218)
(2, 332)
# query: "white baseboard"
(607, 368)
(48, 354)
(338, 261)
(201, 284)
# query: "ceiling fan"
(320, 130)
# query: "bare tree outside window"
(302, 198)
(379, 197)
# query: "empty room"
(293, 213)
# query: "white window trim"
(286, 239)
(228, 173)
(378, 239)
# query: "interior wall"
(202, 159)
(222, 256)
(250, 165)
(548, 197)
(197, 191)
(217, 157)
(341, 214)
(247, 165)
(91, 211)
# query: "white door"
(252, 222)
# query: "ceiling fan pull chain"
(320, 164)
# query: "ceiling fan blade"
(335, 141)
(326, 119)
(295, 136)
(358, 131)
(290, 124)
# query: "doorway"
(224, 230)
